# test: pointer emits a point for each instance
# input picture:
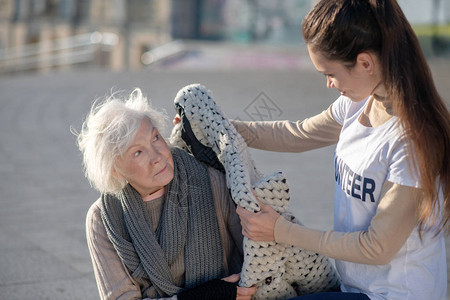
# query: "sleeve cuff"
(281, 232)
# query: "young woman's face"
(147, 164)
(356, 82)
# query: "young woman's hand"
(259, 226)
(176, 119)
(243, 293)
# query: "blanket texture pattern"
(279, 271)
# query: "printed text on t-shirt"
(352, 183)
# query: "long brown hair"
(342, 29)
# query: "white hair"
(108, 131)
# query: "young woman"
(392, 159)
(165, 225)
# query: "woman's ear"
(367, 62)
(115, 173)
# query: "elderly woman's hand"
(243, 293)
(259, 226)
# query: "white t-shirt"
(365, 158)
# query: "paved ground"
(44, 196)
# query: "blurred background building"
(129, 34)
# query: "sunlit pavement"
(44, 196)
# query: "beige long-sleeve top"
(113, 278)
(395, 216)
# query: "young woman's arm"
(389, 229)
(287, 136)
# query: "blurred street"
(44, 196)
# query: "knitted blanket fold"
(279, 271)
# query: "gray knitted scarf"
(188, 217)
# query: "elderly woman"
(165, 225)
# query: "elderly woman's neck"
(159, 193)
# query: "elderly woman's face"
(147, 164)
